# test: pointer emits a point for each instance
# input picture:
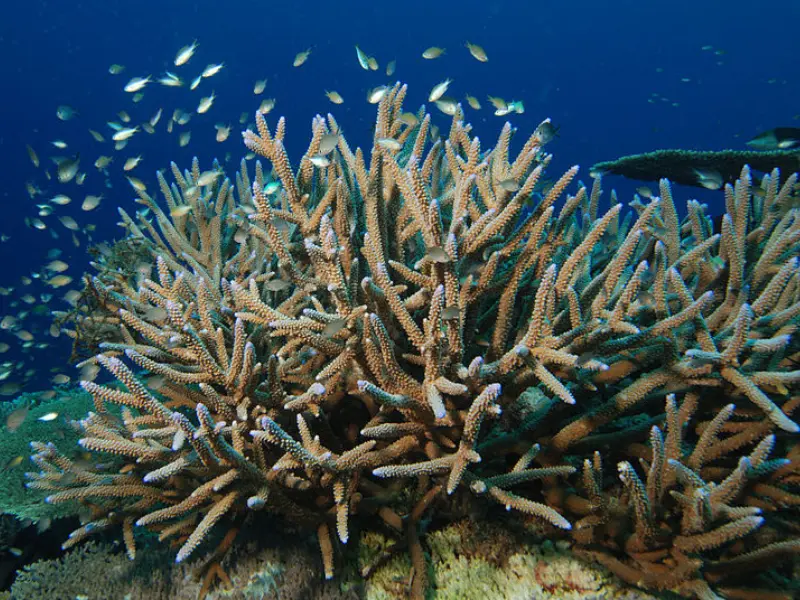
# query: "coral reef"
(369, 341)
(470, 561)
(28, 410)
(100, 572)
(473, 560)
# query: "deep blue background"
(590, 66)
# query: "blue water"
(590, 66)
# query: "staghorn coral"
(689, 522)
(391, 336)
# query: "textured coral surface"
(426, 330)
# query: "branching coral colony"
(371, 340)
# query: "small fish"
(61, 379)
(334, 327)
(16, 418)
(185, 53)
(191, 193)
(272, 187)
(125, 134)
(102, 162)
(68, 168)
(277, 285)
(223, 131)
(137, 183)
(439, 89)
(195, 82)
(59, 281)
(57, 266)
(334, 97)
(60, 144)
(498, 103)
(450, 312)
(363, 59)
(116, 69)
(545, 132)
(65, 113)
(10, 388)
(320, 161)
(183, 139)
(98, 137)
(266, 106)
(328, 142)
(170, 80)
(131, 163)
(14, 462)
(375, 95)
(32, 155)
(438, 255)
(477, 52)
(72, 297)
(24, 335)
(51, 416)
(390, 68)
(473, 102)
(155, 118)
(180, 211)
(69, 223)
(301, 57)
(509, 185)
(372, 63)
(208, 177)
(447, 105)
(212, 70)
(516, 106)
(89, 372)
(433, 52)
(124, 116)
(409, 119)
(390, 144)
(91, 202)
(259, 86)
(205, 103)
(780, 138)
(137, 83)
(644, 191)
(181, 117)
(8, 322)
(709, 178)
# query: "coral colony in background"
(399, 338)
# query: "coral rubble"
(373, 340)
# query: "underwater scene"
(479, 300)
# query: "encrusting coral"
(373, 339)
